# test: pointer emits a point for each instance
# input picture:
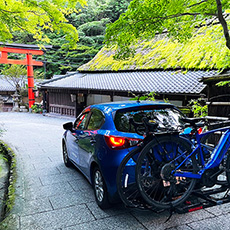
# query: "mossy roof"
(204, 51)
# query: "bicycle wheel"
(227, 166)
(126, 182)
(156, 161)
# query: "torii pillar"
(28, 61)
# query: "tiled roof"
(5, 85)
(170, 82)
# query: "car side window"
(80, 122)
(96, 120)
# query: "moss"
(202, 51)
(10, 196)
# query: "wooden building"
(6, 92)
(69, 94)
(218, 97)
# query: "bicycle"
(167, 169)
(126, 180)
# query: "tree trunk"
(223, 23)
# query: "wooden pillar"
(30, 78)
(111, 97)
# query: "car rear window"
(164, 116)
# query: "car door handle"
(92, 141)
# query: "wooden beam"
(20, 62)
(21, 51)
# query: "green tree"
(116, 8)
(90, 23)
(179, 19)
(199, 108)
(36, 16)
(15, 75)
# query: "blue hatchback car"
(102, 135)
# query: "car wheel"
(100, 189)
(66, 159)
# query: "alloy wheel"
(99, 186)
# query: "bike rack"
(204, 199)
(197, 200)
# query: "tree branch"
(19, 12)
(197, 4)
(158, 19)
(189, 14)
(223, 23)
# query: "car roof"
(128, 104)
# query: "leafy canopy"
(90, 23)
(178, 18)
(36, 16)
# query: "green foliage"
(200, 52)
(1, 131)
(14, 71)
(146, 97)
(36, 16)
(185, 111)
(90, 22)
(199, 109)
(15, 75)
(11, 159)
(146, 18)
(116, 8)
(223, 83)
(94, 28)
(37, 108)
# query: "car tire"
(66, 159)
(100, 190)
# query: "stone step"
(23, 110)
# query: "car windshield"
(165, 117)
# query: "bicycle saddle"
(197, 121)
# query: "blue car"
(102, 135)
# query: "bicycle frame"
(217, 154)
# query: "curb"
(9, 198)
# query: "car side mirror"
(68, 126)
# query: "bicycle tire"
(164, 194)
(126, 182)
(227, 167)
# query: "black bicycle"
(127, 186)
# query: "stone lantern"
(16, 99)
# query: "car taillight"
(115, 142)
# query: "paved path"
(51, 196)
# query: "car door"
(89, 137)
(73, 138)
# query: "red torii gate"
(28, 50)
